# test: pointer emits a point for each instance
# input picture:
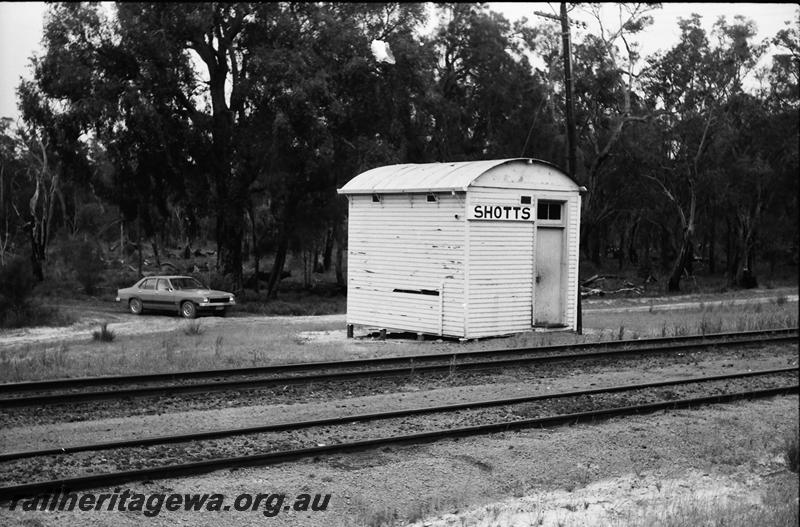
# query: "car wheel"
(135, 306)
(188, 310)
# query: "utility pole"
(566, 44)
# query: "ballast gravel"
(86, 463)
(604, 473)
(354, 388)
(27, 429)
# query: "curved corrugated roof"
(427, 177)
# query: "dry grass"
(703, 320)
(103, 334)
(244, 341)
(790, 450)
(775, 507)
(35, 314)
(719, 469)
(376, 515)
(294, 301)
(193, 327)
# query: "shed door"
(548, 298)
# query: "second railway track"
(288, 441)
(64, 391)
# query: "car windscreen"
(186, 283)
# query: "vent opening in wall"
(525, 200)
(376, 198)
(431, 292)
(432, 198)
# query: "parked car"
(182, 294)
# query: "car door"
(147, 295)
(162, 296)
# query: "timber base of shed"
(383, 333)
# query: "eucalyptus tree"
(325, 110)
(760, 159)
(753, 150)
(607, 93)
(102, 110)
(784, 75)
(690, 86)
(198, 106)
(49, 151)
(196, 56)
(486, 93)
(783, 104)
(13, 185)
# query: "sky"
(21, 30)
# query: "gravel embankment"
(85, 463)
(752, 356)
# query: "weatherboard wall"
(499, 268)
(435, 266)
(400, 251)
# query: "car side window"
(148, 284)
(162, 285)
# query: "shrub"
(193, 328)
(16, 286)
(215, 280)
(790, 451)
(90, 218)
(103, 334)
(123, 279)
(88, 265)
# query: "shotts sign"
(500, 212)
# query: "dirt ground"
(687, 467)
(123, 324)
(712, 462)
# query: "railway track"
(66, 391)
(290, 441)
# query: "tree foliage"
(238, 122)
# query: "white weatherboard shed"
(468, 249)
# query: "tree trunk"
(283, 245)
(339, 264)
(666, 248)
(633, 255)
(256, 256)
(593, 244)
(327, 255)
(745, 274)
(4, 217)
(307, 267)
(731, 260)
(230, 232)
(340, 281)
(37, 253)
(682, 262)
(154, 243)
(139, 240)
(277, 265)
(230, 186)
(318, 265)
(712, 242)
